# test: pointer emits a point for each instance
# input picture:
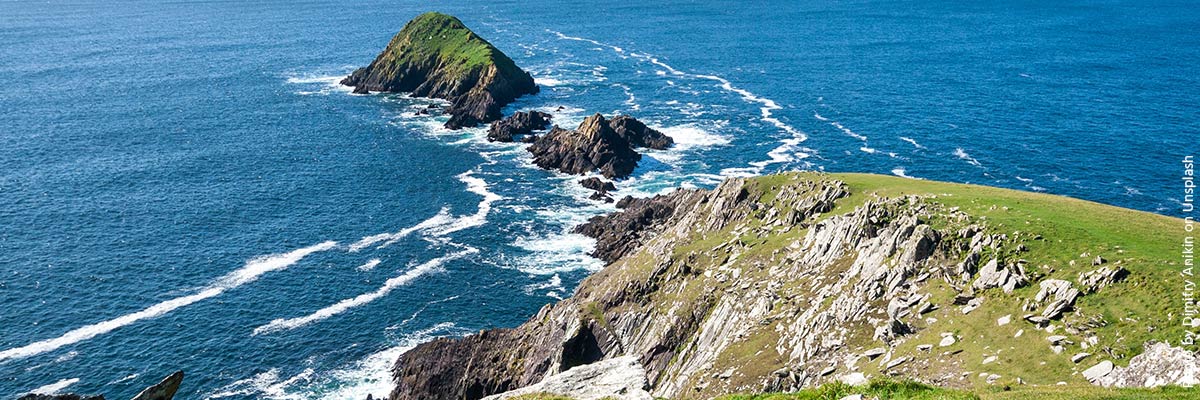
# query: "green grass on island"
(434, 35)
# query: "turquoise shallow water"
(183, 186)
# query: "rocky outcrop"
(620, 233)
(518, 124)
(596, 145)
(1160, 365)
(436, 56)
(616, 378)
(164, 390)
(638, 134)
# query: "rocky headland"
(436, 56)
(792, 281)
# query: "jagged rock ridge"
(436, 56)
(598, 144)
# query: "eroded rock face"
(436, 56)
(520, 123)
(596, 145)
(1160, 365)
(617, 378)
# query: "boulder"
(598, 185)
(436, 56)
(518, 124)
(1061, 295)
(1100, 278)
(1098, 371)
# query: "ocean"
(183, 185)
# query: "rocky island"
(436, 56)
(797, 280)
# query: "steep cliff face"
(436, 56)
(794, 280)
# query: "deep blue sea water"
(184, 186)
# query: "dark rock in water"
(58, 397)
(638, 134)
(521, 123)
(597, 184)
(619, 233)
(597, 144)
(600, 196)
(164, 390)
(436, 56)
(361, 90)
(529, 139)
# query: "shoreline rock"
(519, 124)
(436, 56)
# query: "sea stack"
(436, 56)
(597, 144)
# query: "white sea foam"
(960, 153)
(319, 84)
(554, 284)
(55, 387)
(369, 265)
(250, 272)
(1026, 180)
(819, 117)
(477, 186)
(914, 142)
(691, 136)
(901, 172)
(847, 131)
(344, 305)
(439, 219)
(867, 150)
(787, 151)
(547, 81)
(370, 375)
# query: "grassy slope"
(444, 37)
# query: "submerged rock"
(520, 123)
(436, 56)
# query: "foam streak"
(248, 273)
